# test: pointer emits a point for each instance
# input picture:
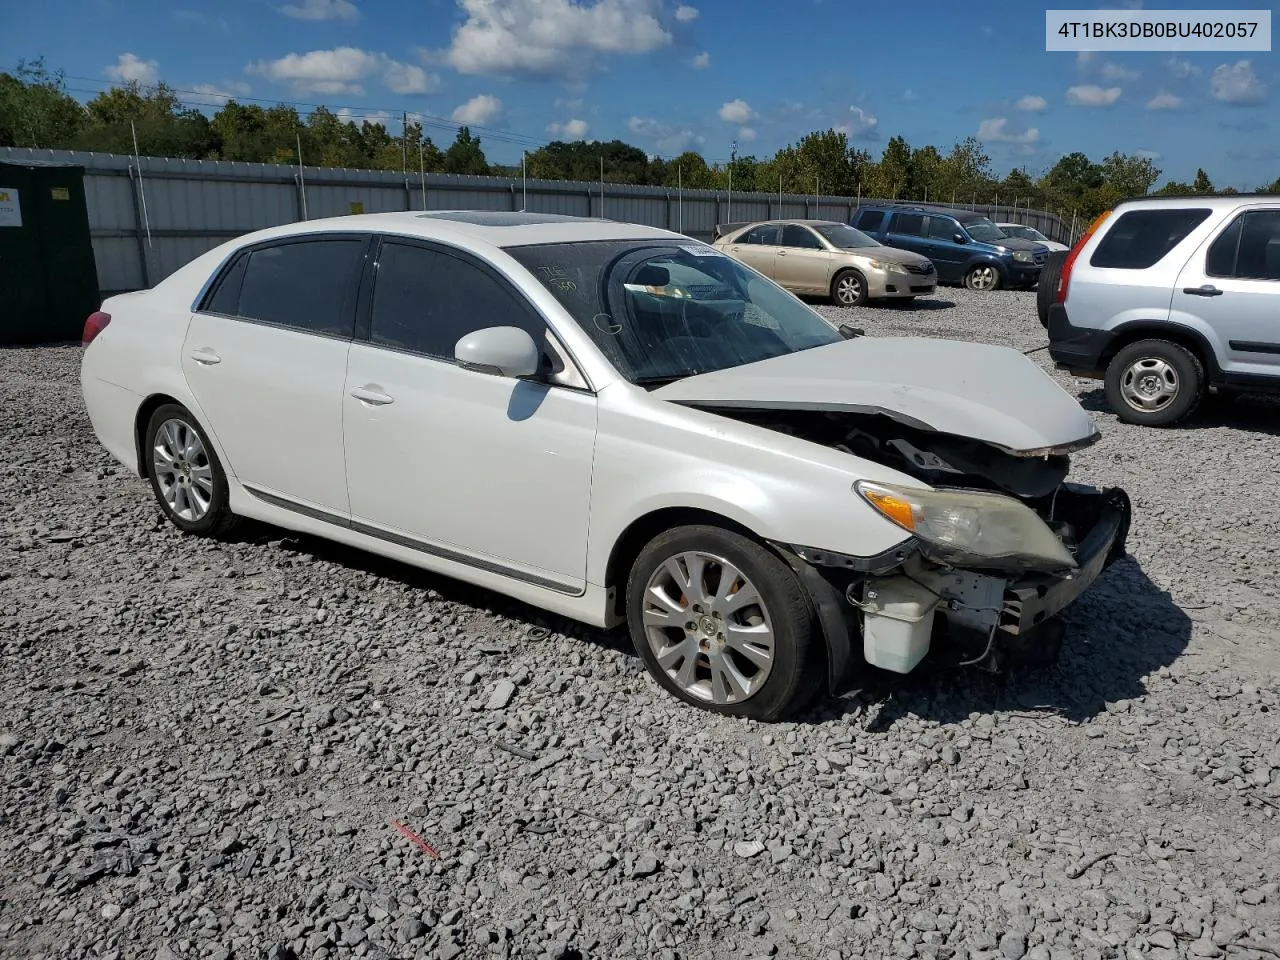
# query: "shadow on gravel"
(1120, 631)
(1256, 413)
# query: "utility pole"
(404, 142)
(733, 155)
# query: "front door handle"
(205, 355)
(782, 253)
(372, 395)
(1208, 290)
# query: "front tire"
(983, 277)
(849, 289)
(1154, 383)
(722, 623)
(186, 477)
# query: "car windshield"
(1026, 233)
(844, 236)
(984, 231)
(661, 310)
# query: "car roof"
(496, 228)
(964, 216)
(1226, 201)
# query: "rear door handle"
(1208, 290)
(372, 395)
(206, 356)
(782, 253)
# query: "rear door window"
(908, 224)
(307, 286)
(1142, 238)
(870, 221)
(1249, 249)
(763, 235)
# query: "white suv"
(1165, 298)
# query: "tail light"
(1064, 278)
(96, 323)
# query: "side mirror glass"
(960, 238)
(502, 351)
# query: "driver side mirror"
(960, 238)
(502, 351)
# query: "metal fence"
(147, 218)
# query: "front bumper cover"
(1106, 514)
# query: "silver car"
(827, 258)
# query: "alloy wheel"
(708, 628)
(1149, 384)
(183, 471)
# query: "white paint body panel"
(502, 483)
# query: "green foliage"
(37, 111)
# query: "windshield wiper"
(662, 381)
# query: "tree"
(1274, 187)
(891, 177)
(1174, 188)
(690, 171)
(1202, 183)
(163, 126)
(465, 156)
(35, 108)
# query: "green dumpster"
(48, 277)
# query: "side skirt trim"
(412, 543)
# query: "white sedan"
(618, 424)
(1023, 232)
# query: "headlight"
(1024, 256)
(875, 264)
(896, 267)
(969, 528)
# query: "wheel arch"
(832, 627)
(148, 406)
(1183, 336)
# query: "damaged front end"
(998, 544)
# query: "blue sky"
(669, 75)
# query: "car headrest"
(651, 275)
(1272, 255)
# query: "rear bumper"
(1106, 515)
(1079, 349)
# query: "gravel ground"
(204, 745)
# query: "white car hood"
(988, 393)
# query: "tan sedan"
(827, 258)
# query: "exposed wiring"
(1035, 350)
(991, 640)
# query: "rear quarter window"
(1142, 238)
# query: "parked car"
(1023, 232)
(615, 423)
(827, 258)
(1166, 298)
(964, 247)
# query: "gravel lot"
(204, 745)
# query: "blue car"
(965, 247)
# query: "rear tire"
(1047, 285)
(1154, 383)
(186, 477)
(849, 289)
(707, 645)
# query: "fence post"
(667, 196)
(408, 195)
(514, 203)
(299, 203)
(138, 231)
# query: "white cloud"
(573, 106)
(1084, 58)
(343, 70)
(1164, 101)
(1151, 155)
(1182, 68)
(736, 111)
(666, 139)
(570, 129)
(1031, 103)
(346, 114)
(1237, 84)
(215, 95)
(747, 134)
(1092, 95)
(479, 110)
(131, 69)
(861, 125)
(910, 96)
(996, 130)
(321, 10)
(701, 61)
(686, 13)
(405, 78)
(551, 38)
(1112, 72)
